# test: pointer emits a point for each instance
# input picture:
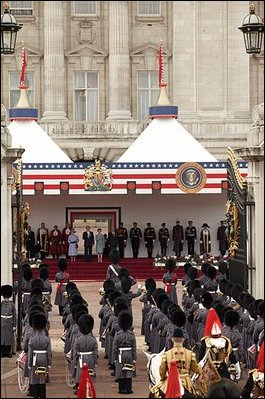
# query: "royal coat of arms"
(98, 177)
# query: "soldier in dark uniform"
(163, 237)
(190, 237)
(136, 236)
(222, 238)
(113, 240)
(122, 235)
(30, 242)
(178, 238)
(8, 320)
(149, 238)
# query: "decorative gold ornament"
(98, 178)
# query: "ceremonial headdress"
(6, 291)
(213, 325)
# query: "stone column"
(54, 64)
(119, 61)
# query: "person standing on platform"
(178, 238)
(43, 240)
(149, 238)
(136, 236)
(55, 242)
(30, 243)
(73, 241)
(190, 237)
(89, 241)
(100, 244)
(122, 235)
(163, 237)
(113, 240)
(65, 234)
(222, 238)
(205, 239)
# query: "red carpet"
(140, 269)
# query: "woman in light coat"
(73, 241)
(100, 244)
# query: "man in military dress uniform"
(149, 238)
(30, 242)
(136, 236)
(122, 235)
(163, 236)
(222, 238)
(190, 237)
(178, 238)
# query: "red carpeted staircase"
(140, 269)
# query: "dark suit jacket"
(88, 240)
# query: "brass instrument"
(65, 295)
(101, 291)
(144, 290)
(41, 370)
(129, 367)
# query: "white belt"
(235, 349)
(121, 350)
(212, 292)
(35, 353)
(81, 354)
(6, 317)
(46, 293)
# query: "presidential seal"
(191, 177)
(98, 178)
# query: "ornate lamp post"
(9, 29)
(252, 29)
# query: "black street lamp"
(9, 29)
(253, 29)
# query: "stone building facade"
(93, 65)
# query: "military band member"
(55, 242)
(122, 235)
(178, 238)
(8, 320)
(190, 237)
(222, 238)
(163, 237)
(43, 240)
(205, 239)
(136, 236)
(149, 238)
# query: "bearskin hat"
(160, 299)
(222, 267)
(197, 293)
(126, 284)
(32, 314)
(25, 265)
(70, 286)
(252, 311)
(165, 305)
(192, 285)
(186, 267)
(39, 321)
(36, 292)
(123, 272)
(236, 290)
(35, 305)
(77, 315)
(27, 273)
(6, 291)
(157, 292)
(248, 299)
(205, 266)
(44, 273)
(231, 318)
(207, 299)
(125, 320)
(150, 284)
(211, 272)
(222, 285)
(226, 309)
(170, 264)
(112, 296)
(62, 264)
(119, 306)
(256, 305)
(108, 284)
(178, 318)
(114, 256)
(37, 282)
(86, 323)
(240, 299)
(42, 264)
(171, 309)
(73, 292)
(228, 288)
(77, 308)
(219, 307)
(261, 309)
(76, 299)
(192, 273)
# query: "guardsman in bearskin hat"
(230, 330)
(254, 387)
(26, 287)
(62, 278)
(8, 320)
(124, 353)
(39, 357)
(211, 284)
(85, 348)
(47, 287)
(149, 287)
(170, 280)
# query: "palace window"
(147, 92)
(85, 7)
(21, 7)
(14, 90)
(149, 8)
(86, 96)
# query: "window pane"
(14, 97)
(80, 105)
(21, 7)
(143, 80)
(154, 96)
(79, 79)
(92, 105)
(85, 7)
(92, 80)
(149, 7)
(153, 79)
(143, 104)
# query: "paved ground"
(105, 385)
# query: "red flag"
(86, 387)
(23, 67)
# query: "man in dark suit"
(190, 237)
(222, 238)
(178, 238)
(30, 242)
(163, 235)
(89, 241)
(122, 235)
(149, 238)
(136, 236)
